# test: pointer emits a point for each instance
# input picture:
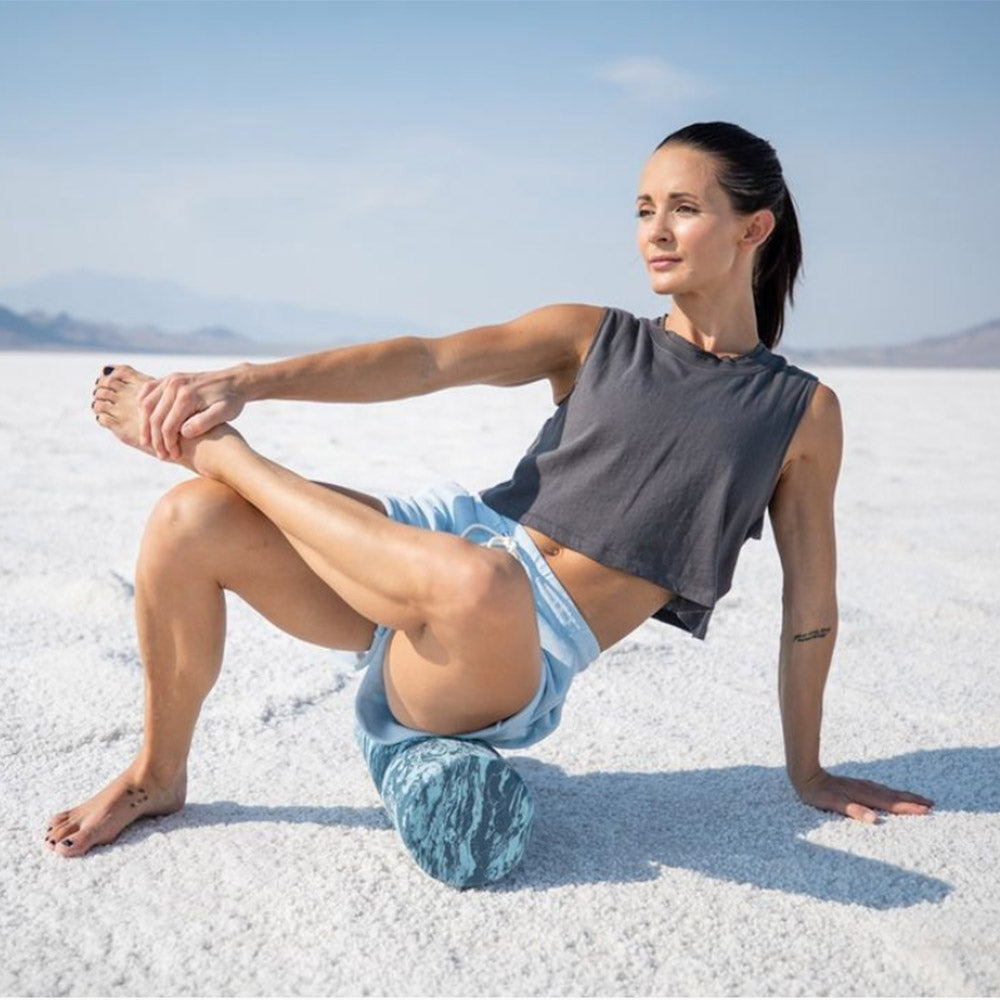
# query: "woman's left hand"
(857, 798)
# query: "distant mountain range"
(49, 322)
(977, 347)
(123, 301)
(37, 331)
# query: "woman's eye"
(643, 212)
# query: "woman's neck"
(719, 331)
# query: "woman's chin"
(660, 286)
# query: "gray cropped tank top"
(661, 460)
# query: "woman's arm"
(192, 403)
(802, 516)
(545, 343)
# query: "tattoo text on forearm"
(816, 633)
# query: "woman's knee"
(483, 584)
(193, 511)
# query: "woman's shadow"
(740, 824)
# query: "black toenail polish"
(108, 369)
(68, 843)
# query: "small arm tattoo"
(816, 633)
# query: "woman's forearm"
(804, 662)
(362, 373)
(190, 404)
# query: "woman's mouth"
(663, 263)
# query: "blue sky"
(460, 163)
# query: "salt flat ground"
(670, 855)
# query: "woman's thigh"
(468, 667)
(544, 654)
(209, 528)
(476, 663)
(467, 670)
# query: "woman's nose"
(659, 229)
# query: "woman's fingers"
(169, 405)
(156, 418)
(861, 800)
(149, 396)
(909, 808)
(865, 796)
(902, 803)
(889, 798)
(903, 798)
(854, 810)
(204, 421)
(179, 411)
(836, 799)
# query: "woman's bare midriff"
(613, 603)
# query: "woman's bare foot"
(132, 795)
(116, 404)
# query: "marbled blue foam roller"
(462, 811)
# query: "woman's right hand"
(188, 405)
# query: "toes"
(73, 845)
(62, 832)
(56, 823)
(121, 375)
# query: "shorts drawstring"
(497, 541)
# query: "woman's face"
(684, 215)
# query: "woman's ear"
(759, 226)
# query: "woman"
(670, 439)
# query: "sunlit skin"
(682, 211)
(325, 563)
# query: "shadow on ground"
(738, 824)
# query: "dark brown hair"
(747, 169)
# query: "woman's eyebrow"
(673, 194)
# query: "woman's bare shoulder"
(579, 322)
(820, 433)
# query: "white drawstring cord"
(498, 541)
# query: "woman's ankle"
(161, 772)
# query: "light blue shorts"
(568, 645)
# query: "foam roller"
(463, 813)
